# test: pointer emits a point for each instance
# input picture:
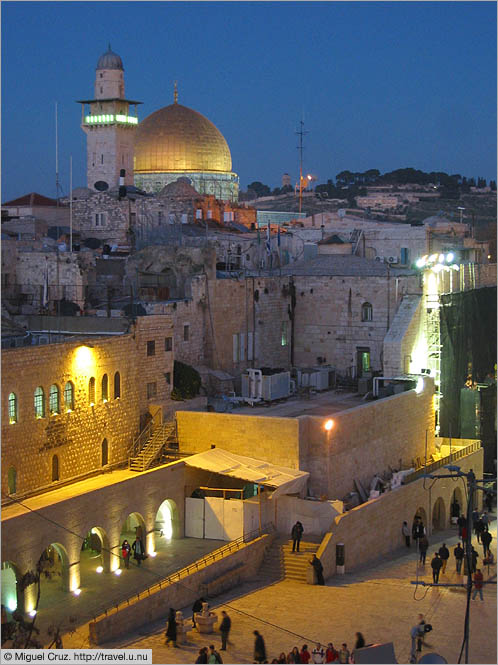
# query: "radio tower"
(301, 133)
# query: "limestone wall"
(366, 440)
(76, 436)
(274, 440)
(404, 345)
(374, 528)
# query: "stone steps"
(281, 563)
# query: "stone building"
(77, 406)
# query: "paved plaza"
(378, 601)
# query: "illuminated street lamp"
(328, 428)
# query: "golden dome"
(178, 139)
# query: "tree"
(259, 188)
(492, 184)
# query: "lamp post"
(328, 427)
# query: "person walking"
(318, 654)
(474, 556)
(479, 529)
(444, 553)
(225, 625)
(171, 628)
(417, 634)
(486, 539)
(138, 550)
(459, 553)
(485, 520)
(126, 552)
(196, 608)
(462, 521)
(304, 654)
(423, 546)
(259, 648)
(344, 654)
(317, 565)
(214, 656)
(418, 529)
(436, 565)
(478, 580)
(405, 530)
(331, 654)
(296, 535)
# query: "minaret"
(109, 127)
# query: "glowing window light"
(420, 385)
(76, 592)
(449, 257)
(99, 569)
(118, 572)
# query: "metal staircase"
(150, 445)
(355, 239)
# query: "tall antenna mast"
(301, 133)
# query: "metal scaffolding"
(433, 337)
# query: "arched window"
(54, 399)
(39, 403)
(12, 480)
(55, 468)
(69, 396)
(91, 391)
(12, 408)
(105, 388)
(117, 385)
(366, 312)
(105, 452)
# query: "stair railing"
(140, 441)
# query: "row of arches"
(97, 556)
(440, 515)
(54, 397)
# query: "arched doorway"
(11, 588)
(166, 524)
(420, 512)
(133, 526)
(439, 515)
(54, 576)
(95, 554)
(457, 506)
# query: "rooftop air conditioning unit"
(379, 259)
(393, 259)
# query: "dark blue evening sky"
(380, 84)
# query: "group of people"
(137, 548)
(321, 654)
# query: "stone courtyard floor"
(378, 601)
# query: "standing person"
(458, 552)
(436, 565)
(423, 546)
(474, 556)
(294, 656)
(296, 535)
(485, 520)
(418, 529)
(317, 565)
(171, 628)
(282, 658)
(259, 648)
(360, 641)
(455, 509)
(225, 625)
(344, 654)
(138, 550)
(486, 539)
(331, 654)
(488, 500)
(318, 654)
(405, 530)
(214, 656)
(478, 580)
(444, 553)
(197, 607)
(126, 552)
(305, 655)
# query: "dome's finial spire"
(175, 94)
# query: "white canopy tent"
(281, 479)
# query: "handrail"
(137, 442)
(184, 572)
(458, 454)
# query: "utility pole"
(301, 133)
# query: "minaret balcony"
(109, 119)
